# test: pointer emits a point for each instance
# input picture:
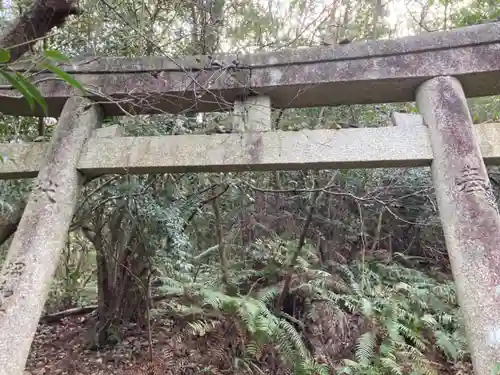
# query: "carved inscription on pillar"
(470, 181)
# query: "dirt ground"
(62, 348)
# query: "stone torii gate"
(438, 70)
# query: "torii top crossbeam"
(359, 73)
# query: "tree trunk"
(123, 272)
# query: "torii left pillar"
(41, 235)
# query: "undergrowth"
(412, 320)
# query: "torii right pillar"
(469, 215)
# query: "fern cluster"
(412, 320)
(410, 316)
(258, 320)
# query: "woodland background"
(307, 272)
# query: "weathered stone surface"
(312, 149)
(457, 38)
(252, 115)
(10, 221)
(365, 72)
(469, 214)
(406, 119)
(35, 250)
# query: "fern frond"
(391, 366)
(445, 344)
(253, 350)
(365, 347)
(293, 337)
(201, 327)
(268, 295)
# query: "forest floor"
(61, 348)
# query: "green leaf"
(4, 55)
(64, 76)
(35, 93)
(18, 85)
(56, 56)
(27, 89)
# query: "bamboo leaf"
(19, 87)
(64, 76)
(4, 55)
(56, 56)
(35, 93)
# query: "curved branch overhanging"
(41, 17)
